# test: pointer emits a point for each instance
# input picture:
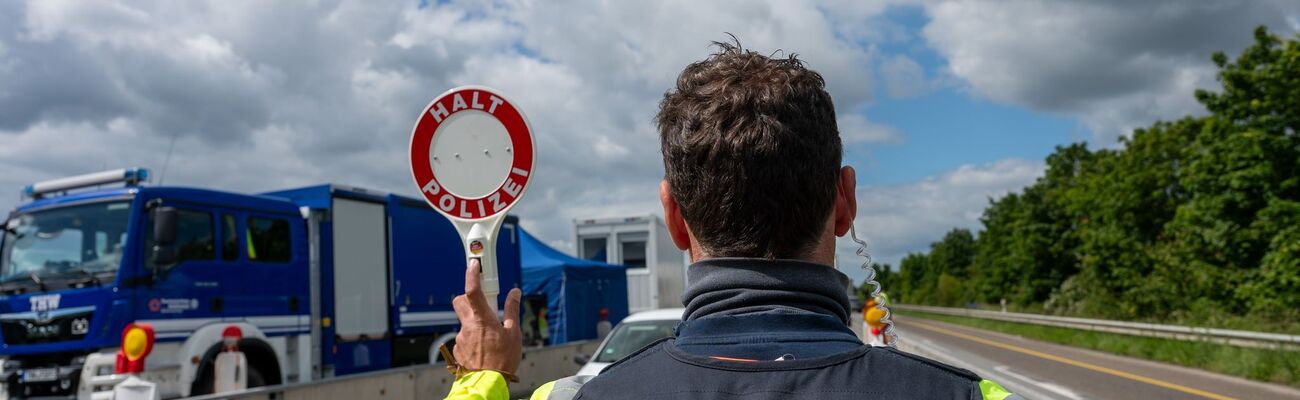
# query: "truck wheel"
(255, 378)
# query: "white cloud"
(864, 21)
(1115, 65)
(267, 95)
(855, 128)
(899, 219)
(263, 96)
(903, 77)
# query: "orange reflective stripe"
(732, 359)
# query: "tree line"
(1196, 219)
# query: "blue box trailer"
(319, 281)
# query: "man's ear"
(673, 218)
(846, 200)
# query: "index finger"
(472, 272)
(474, 291)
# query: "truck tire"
(255, 378)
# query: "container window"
(594, 249)
(633, 253)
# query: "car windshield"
(64, 242)
(632, 336)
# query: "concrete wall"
(540, 365)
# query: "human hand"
(484, 343)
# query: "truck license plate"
(40, 375)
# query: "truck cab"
(76, 269)
(60, 261)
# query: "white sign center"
(471, 140)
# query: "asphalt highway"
(1039, 370)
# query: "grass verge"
(1265, 365)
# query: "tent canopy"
(575, 289)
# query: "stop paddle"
(472, 156)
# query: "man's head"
(752, 160)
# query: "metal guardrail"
(1230, 337)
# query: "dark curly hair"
(751, 153)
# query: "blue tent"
(575, 289)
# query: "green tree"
(1194, 218)
(948, 291)
(914, 287)
(953, 254)
(885, 276)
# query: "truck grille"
(20, 371)
(46, 326)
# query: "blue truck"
(320, 281)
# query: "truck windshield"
(82, 241)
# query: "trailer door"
(360, 270)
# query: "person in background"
(544, 326)
(603, 326)
(529, 325)
(755, 191)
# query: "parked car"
(636, 331)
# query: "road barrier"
(1230, 337)
(420, 382)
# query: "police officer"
(755, 191)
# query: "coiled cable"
(890, 336)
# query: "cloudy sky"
(942, 104)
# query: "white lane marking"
(933, 350)
(1048, 385)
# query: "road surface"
(1039, 370)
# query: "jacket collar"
(741, 286)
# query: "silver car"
(633, 333)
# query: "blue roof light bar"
(129, 176)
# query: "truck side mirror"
(164, 226)
(581, 359)
(164, 236)
(163, 255)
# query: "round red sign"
(471, 153)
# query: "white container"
(656, 269)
